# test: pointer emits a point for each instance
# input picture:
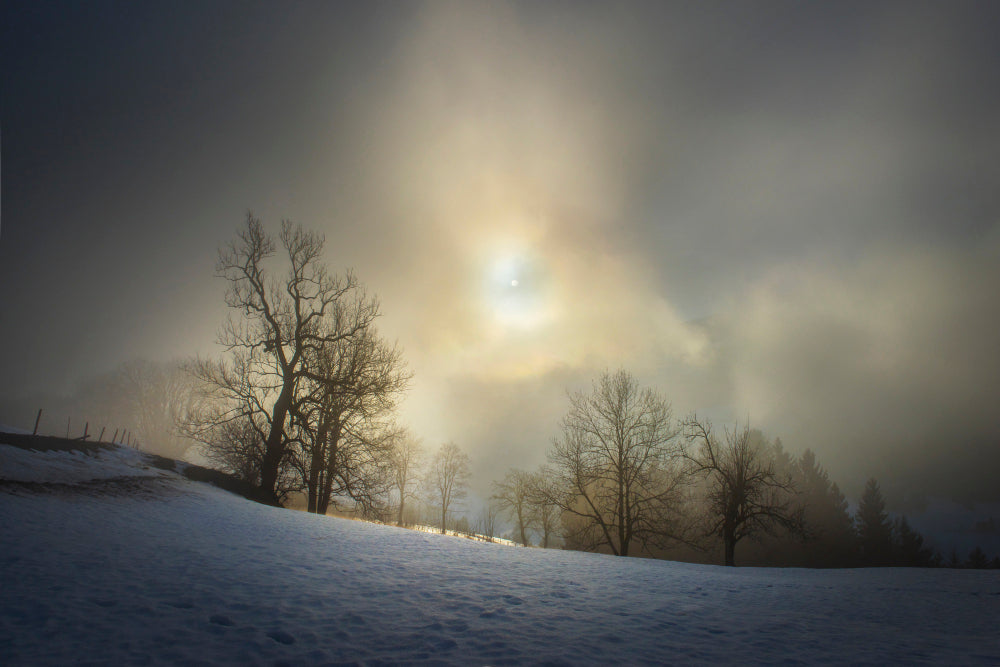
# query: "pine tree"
(977, 559)
(874, 528)
(831, 537)
(908, 546)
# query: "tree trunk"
(622, 517)
(311, 502)
(520, 525)
(326, 490)
(444, 513)
(274, 449)
(312, 484)
(399, 520)
(729, 537)
(316, 463)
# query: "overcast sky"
(781, 211)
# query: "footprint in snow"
(281, 637)
(353, 619)
(441, 643)
(220, 619)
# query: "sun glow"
(516, 291)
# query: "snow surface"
(60, 467)
(170, 571)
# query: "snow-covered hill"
(105, 559)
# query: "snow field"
(191, 574)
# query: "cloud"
(886, 366)
(762, 182)
(781, 212)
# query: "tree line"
(624, 477)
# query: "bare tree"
(487, 523)
(447, 478)
(614, 466)
(278, 323)
(512, 495)
(746, 496)
(146, 397)
(545, 513)
(158, 395)
(406, 458)
(348, 391)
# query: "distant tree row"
(625, 478)
(622, 475)
(145, 397)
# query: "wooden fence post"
(37, 419)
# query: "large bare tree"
(447, 478)
(746, 496)
(278, 322)
(614, 467)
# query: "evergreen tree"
(908, 546)
(977, 559)
(874, 528)
(830, 530)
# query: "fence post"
(37, 419)
(100, 438)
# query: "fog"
(779, 212)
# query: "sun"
(516, 293)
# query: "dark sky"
(787, 211)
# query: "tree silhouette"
(874, 527)
(977, 559)
(614, 468)
(544, 512)
(447, 478)
(343, 409)
(746, 495)
(908, 546)
(512, 494)
(277, 324)
(829, 526)
(406, 459)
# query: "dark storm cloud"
(784, 210)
